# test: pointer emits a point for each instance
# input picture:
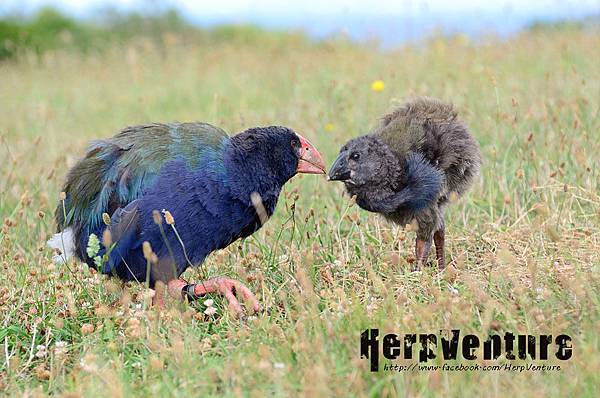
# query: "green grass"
(524, 243)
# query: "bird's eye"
(295, 142)
(355, 156)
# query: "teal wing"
(116, 171)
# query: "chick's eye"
(355, 156)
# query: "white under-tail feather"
(64, 242)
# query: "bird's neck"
(250, 182)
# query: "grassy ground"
(524, 243)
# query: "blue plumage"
(203, 177)
(423, 183)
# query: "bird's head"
(365, 161)
(367, 165)
(278, 151)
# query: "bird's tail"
(64, 242)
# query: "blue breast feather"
(211, 209)
(208, 211)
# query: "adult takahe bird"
(211, 189)
(409, 167)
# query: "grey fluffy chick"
(418, 157)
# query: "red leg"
(438, 238)
(224, 286)
(422, 248)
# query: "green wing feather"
(403, 129)
(114, 172)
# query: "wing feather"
(116, 171)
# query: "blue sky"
(390, 21)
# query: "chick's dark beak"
(339, 170)
(310, 160)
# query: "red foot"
(224, 286)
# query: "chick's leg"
(422, 248)
(438, 238)
(229, 288)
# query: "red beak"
(310, 160)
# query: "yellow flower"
(329, 127)
(377, 85)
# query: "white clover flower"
(60, 348)
(278, 365)
(41, 351)
(88, 365)
(210, 311)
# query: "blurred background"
(50, 23)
